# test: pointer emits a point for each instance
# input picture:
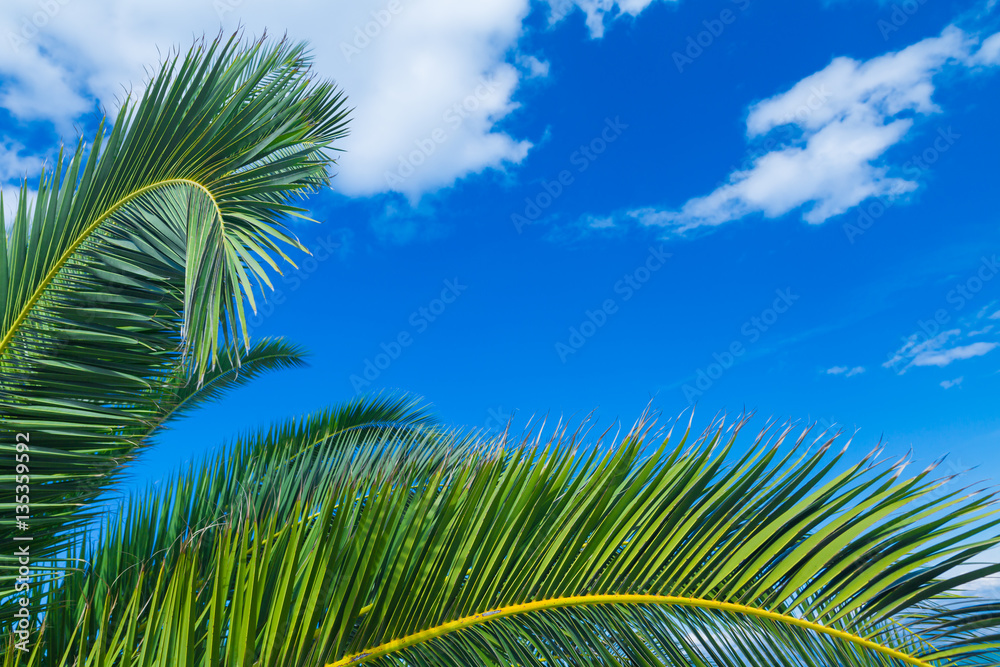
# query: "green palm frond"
(174, 399)
(138, 256)
(265, 474)
(643, 551)
(181, 394)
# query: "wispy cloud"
(11, 198)
(846, 371)
(941, 350)
(948, 384)
(599, 222)
(989, 52)
(533, 67)
(946, 356)
(15, 163)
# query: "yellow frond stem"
(584, 600)
(50, 276)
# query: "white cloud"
(948, 384)
(598, 13)
(15, 165)
(534, 67)
(945, 357)
(989, 52)
(941, 350)
(995, 316)
(11, 197)
(987, 587)
(838, 124)
(410, 68)
(845, 370)
(600, 223)
(884, 86)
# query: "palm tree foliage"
(135, 262)
(368, 533)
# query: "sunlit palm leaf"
(641, 552)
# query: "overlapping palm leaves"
(137, 259)
(153, 529)
(367, 534)
(401, 544)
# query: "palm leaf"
(138, 257)
(183, 394)
(643, 551)
(264, 474)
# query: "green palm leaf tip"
(181, 394)
(140, 254)
(651, 550)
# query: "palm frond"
(643, 551)
(182, 394)
(138, 256)
(263, 475)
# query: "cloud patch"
(837, 126)
(598, 14)
(941, 350)
(416, 71)
(846, 371)
(944, 357)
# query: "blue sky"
(553, 208)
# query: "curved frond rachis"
(621, 599)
